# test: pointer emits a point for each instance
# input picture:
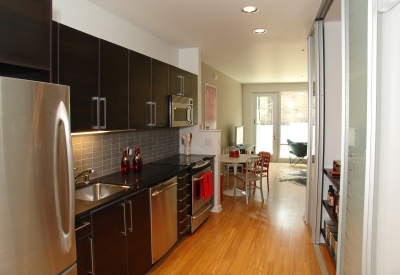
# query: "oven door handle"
(204, 164)
(205, 210)
(200, 178)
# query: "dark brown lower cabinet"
(121, 236)
(84, 247)
(139, 239)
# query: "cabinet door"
(190, 87)
(175, 80)
(139, 233)
(113, 86)
(84, 248)
(79, 69)
(159, 92)
(84, 255)
(140, 115)
(25, 33)
(109, 240)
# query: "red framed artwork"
(210, 107)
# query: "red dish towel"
(206, 186)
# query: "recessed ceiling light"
(259, 31)
(250, 9)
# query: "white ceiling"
(224, 34)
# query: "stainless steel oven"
(201, 208)
(180, 111)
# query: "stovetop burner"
(193, 160)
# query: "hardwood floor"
(259, 238)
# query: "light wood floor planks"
(259, 238)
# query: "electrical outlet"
(208, 142)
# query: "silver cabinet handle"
(151, 113)
(184, 231)
(96, 115)
(155, 114)
(130, 208)
(180, 189)
(179, 178)
(91, 255)
(182, 210)
(184, 197)
(181, 85)
(124, 233)
(82, 226)
(105, 113)
(184, 220)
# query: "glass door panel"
(265, 123)
(294, 119)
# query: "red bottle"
(125, 163)
(137, 161)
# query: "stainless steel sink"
(98, 191)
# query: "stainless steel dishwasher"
(163, 218)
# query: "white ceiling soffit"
(224, 34)
(334, 13)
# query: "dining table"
(225, 158)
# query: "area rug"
(298, 177)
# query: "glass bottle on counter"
(137, 161)
(125, 166)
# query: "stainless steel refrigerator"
(37, 203)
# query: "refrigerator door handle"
(62, 118)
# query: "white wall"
(249, 89)
(386, 244)
(333, 92)
(333, 101)
(89, 18)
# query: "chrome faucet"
(87, 172)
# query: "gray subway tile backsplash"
(103, 152)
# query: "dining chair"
(228, 165)
(265, 171)
(254, 168)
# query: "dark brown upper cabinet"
(114, 91)
(140, 107)
(183, 83)
(159, 92)
(148, 85)
(25, 36)
(78, 67)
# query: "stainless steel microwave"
(180, 111)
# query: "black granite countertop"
(151, 175)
